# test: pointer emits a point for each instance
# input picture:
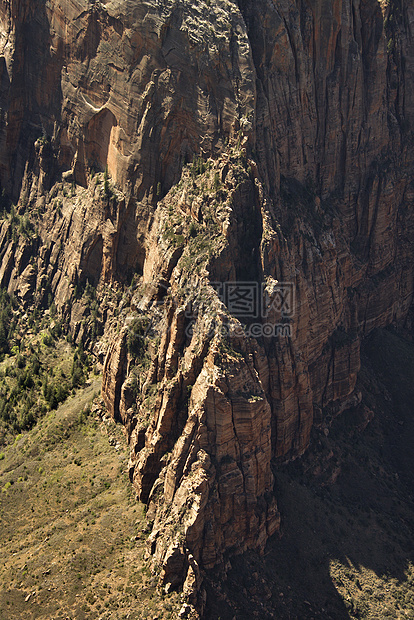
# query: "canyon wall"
(190, 145)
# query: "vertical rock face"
(136, 87)
(300, 116)
(201, 460)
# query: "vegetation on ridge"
(39, 368)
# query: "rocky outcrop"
(298, 121)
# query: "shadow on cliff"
(347, 511)
(33, 94)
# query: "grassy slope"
(72, 535)
(347, 544)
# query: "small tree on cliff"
(106, 183)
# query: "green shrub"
(47, 339)
(107, 191)
(6, 486)
(192, 231)
(217, 183)
(136, 337)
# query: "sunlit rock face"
(302, 114)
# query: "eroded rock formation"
(298, 119)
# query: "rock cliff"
(188, 146)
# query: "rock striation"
(194, 145)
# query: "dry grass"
(72, 534)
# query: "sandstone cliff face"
(202, 460)
(303, 115)
(136, 87)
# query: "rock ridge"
(157, 150)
